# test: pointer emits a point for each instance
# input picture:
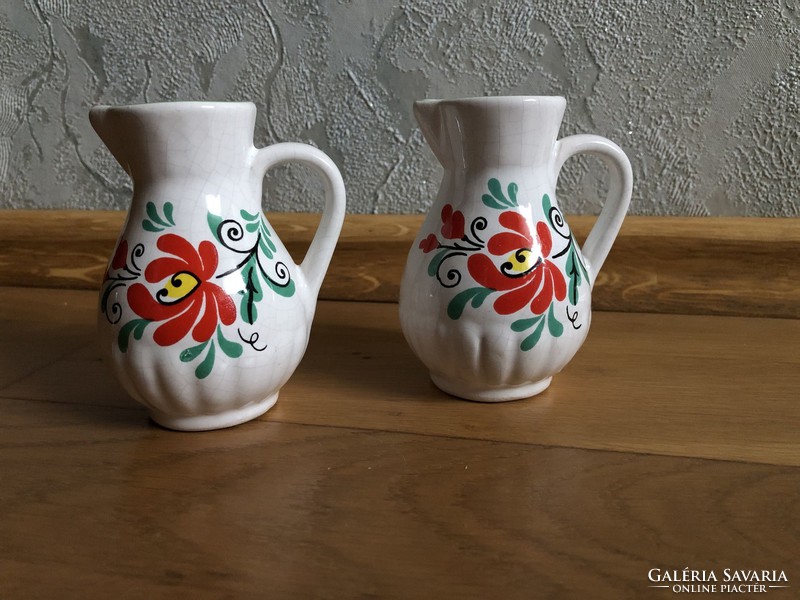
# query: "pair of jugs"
(205, 316)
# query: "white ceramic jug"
(495, 297)
(203, 314)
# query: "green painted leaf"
(204, 368)
(513, 188)
(478, 299)
(491, 202)
(135, 327)
(248, 308)
(553, 324)
(190, 354)
(286, 291)
(138, 331)
(497, 190)
(577, 273)
(574, 277)
(168, 208)
(459, 302)
(255, 284)
(232, 349)
(267, 236)
(251, 227)
(248, 216)
(530, 341)
(148, 226)
(546, 205)
(124, 335)
(437, 259)
(524, 324)
(252, 294)
(214, 221)
(152, 212)
(265, 244)
(498, 198)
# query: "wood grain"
(721, 266)
(98, 505)
(712, 387)
(669, 442)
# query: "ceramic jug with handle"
(496, 294)
(202, 312)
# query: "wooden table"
(671, 441)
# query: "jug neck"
(492, 132)
(177, 139)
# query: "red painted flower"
(188, 300)
(452, 223)
(118, 261)
(527, 277)
(429, 244)
(120, 256)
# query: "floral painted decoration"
(527, 278)
(188, 300)
(189, 305)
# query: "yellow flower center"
(178, 287)
(520, 261)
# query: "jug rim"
(178, 105)
(494, 100)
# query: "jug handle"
(318, 257)
(601, 238)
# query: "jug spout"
(176, 139)
(487, 132)
(98, 118)
(431, 122)
(102, 119)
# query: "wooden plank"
(722, 266)
(694, 386)
(96, 504)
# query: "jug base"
(490, 394)
(221, 420)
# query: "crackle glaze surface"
(496, 294)
(703, 96)
(203, 314)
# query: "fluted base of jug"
(490, 394)
(220, 420)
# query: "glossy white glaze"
(203, 314)
(496, 294)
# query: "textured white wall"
(702, 95)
